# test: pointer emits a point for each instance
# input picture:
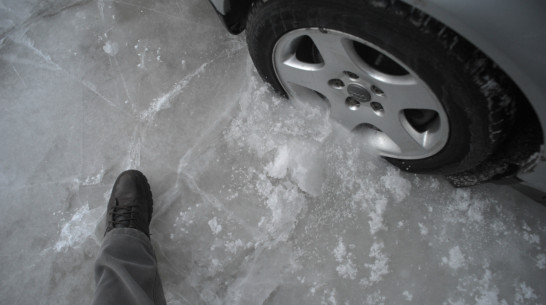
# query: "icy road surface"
(258, 201)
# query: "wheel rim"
(366, 90)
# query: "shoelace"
(127, 211)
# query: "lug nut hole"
(377, 91)
(336, 83)
(377, 108)
(352, 103)
(351, 75)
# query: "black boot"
(130, 205)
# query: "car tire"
(391, 73)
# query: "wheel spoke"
(408, 141)
(306, 75)
(334, 50)
(408, 93)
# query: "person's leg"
(126, 268)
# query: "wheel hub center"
(359, 93)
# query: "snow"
(408, 296)
(77, 229)
(214, 226)
(379, 267)
(541, 261)
(111, 48)
(346, 268)
(396, 184)
(524, 293)
(456, 258)
(257, 200)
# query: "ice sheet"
(257, 200)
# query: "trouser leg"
(126, 270)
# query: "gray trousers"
(126, 270)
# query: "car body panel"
(512, 33)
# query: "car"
(456, 88)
